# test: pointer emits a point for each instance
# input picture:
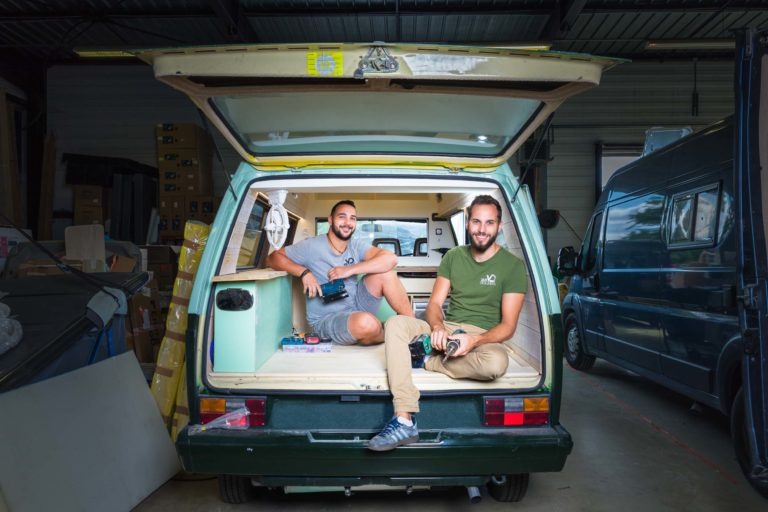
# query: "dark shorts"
(336, 325)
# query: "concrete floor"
(637, 448)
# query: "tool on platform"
(333, 291)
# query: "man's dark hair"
(345, 201)
(485, 199)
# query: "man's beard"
(482, 248)
(340, 235)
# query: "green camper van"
(411, 133)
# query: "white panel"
(112, 111)
(630, 99)
(88, 440)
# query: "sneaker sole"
(407, 440)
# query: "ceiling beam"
(238, 28)
(562, 18)
(233, 11)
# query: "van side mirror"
(567, 261)
(548, 219)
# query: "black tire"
(235, 489)
(574, 347)
(513, 489)
(741, 442)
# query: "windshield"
(404, 237)
(332, 122)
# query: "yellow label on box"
(325, 63)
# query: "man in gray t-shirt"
(336, 255)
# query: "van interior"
(418, 219)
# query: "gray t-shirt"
(317, 255)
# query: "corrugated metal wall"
(631, 99)
(112, 111)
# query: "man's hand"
(439, 341)
(467, 343)
(311, 287)
(439, 337)
(340, 273)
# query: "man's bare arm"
(278, 260)
(511, 305)
(376, 261)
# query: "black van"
(670, 281)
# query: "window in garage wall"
(610, 158)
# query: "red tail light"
(516, 411)
(212, 408)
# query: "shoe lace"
(390, 428)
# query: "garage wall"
(112, 111)
(630, 99)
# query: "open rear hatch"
(292, 106)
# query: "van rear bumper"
(293, 457)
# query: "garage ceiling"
(47, 31)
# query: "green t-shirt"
(476, 288)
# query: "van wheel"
(513, 488)
(235, 489)
(741, 443)
(574, 348)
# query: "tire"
(741, 442)
(574, 346)
(235, 489)
(513, 489)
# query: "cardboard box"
(172, 203)
(189, 159)
(87, 214)
(160, 254)
(200, 208)
(45, 267)
(88, 195)
(122, 264)
(180, 135)
(141, 344)
(171, 224)
(190, 181)
(161, 262)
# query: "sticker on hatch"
(325, 63)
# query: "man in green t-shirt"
(487, 285)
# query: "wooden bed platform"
(359, 368)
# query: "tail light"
(516, 411)
(253, 411)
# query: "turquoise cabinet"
(248, 333)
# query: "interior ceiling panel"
(49, 30)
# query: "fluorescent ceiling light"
(690, 44)
(101, 54)
(524, 46)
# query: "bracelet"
(306, 271)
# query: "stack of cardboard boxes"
(184, 153)
(149, 309)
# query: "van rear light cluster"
(516, 411)
(240, 412)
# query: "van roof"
(713, 145)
